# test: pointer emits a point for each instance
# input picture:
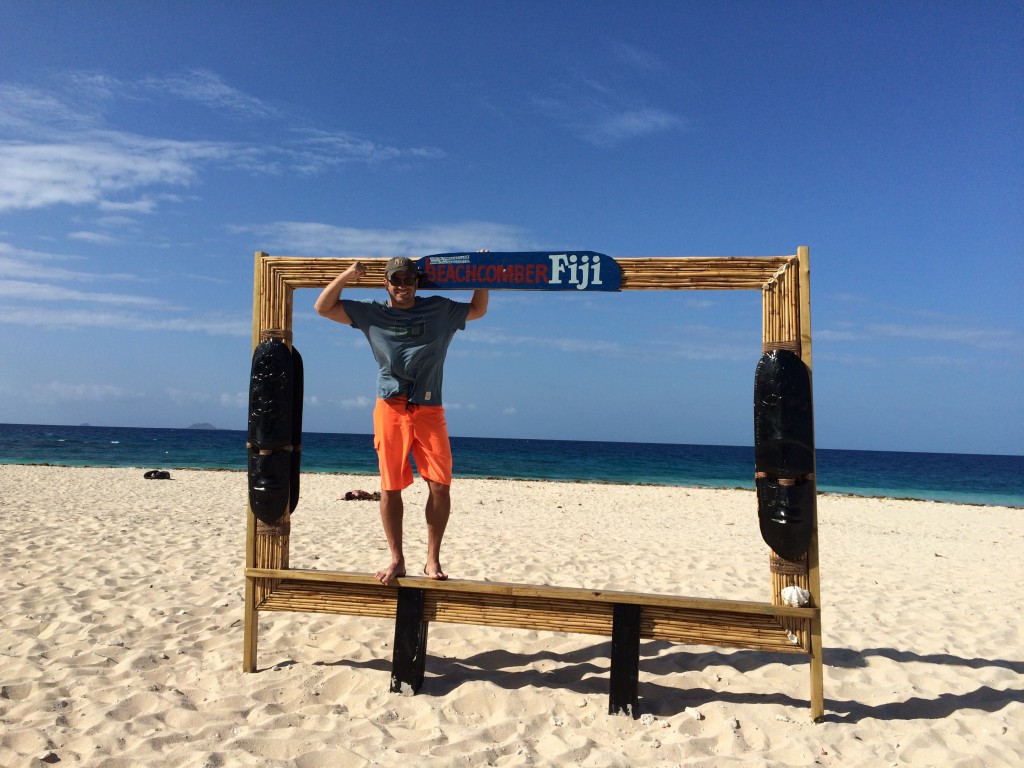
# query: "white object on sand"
(795, 596)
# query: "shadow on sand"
(585, 671)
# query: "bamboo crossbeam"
(729, 630)
(638, 273)
(306, 598)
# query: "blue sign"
(521, 270)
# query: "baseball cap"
(399, 264)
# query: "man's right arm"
(328, 304)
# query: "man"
(409, 337)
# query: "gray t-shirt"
(409, 345)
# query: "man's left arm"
(478, 304)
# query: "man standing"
(409, 337)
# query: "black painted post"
(409, 659)
(623, 697)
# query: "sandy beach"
(121, 639)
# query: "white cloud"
(27, 111)
(316, 239)
(356, 403)
(56, 149)
(97, 238)
(988, 339)
(691, 342)
(319, 150)
(38, 296)
(605, 101)
(142, 205)
(623, 126)
(209, 89)
(603, 114)
(557, 343)
(91, 169)
(186, 397)
(124, 321)
(236, 400)
(38, 268)
(459, 406)
(695, 349)
(825, 335)
(28, 291)
(62, 392)
(637, 58)
(605, 124)
(701, 303)
(22, 264)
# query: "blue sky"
(148, 149)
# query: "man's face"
(402, 289)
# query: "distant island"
(201, 425)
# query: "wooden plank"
(497, 588)
(576, 611)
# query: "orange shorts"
(400, 429)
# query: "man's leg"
(392, 509)
(439, 505)
(392, 433)
(432, 451)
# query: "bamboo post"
(267, 546)
(813, 572)
(803, 255)
(250, 630)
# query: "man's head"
(400, 279)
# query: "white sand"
(121, 632)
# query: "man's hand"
(328, 304)
(357, 270)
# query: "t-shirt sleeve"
(458, 311)
(356, 311)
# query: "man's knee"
(390, 499)
(438, 490)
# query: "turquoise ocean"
(948, 477)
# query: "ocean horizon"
(986, 479)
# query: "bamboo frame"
(784, 282)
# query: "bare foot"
(434, 572)
(392, 572)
